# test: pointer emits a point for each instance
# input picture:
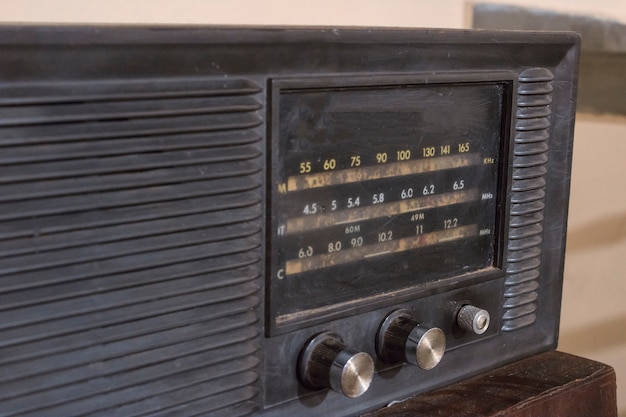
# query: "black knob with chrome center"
(326, 362)
(401, 338)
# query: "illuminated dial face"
(380, 189)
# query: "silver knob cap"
(326, 362)
(402, 339)
(351, 373)
(473, 319)
(425, 347)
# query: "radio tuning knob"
(401, 338)
(326, 362)
(473, 319)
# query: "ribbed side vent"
(130, 248)
(527, 197)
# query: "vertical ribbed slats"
(532, 133)
(130, 247)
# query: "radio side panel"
(140, 224)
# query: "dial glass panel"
(377, 189)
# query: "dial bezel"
(280, 180)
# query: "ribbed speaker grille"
(527, 198)
(130, 247)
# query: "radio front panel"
(275, 221)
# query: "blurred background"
(593, 319)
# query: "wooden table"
(551, 384)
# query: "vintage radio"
(275, 221)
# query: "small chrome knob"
(326, 362)
(425, 346)
(473, 319)
(402, 339)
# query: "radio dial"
(402, 339)
(326, 362)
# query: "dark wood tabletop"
(551, 384)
